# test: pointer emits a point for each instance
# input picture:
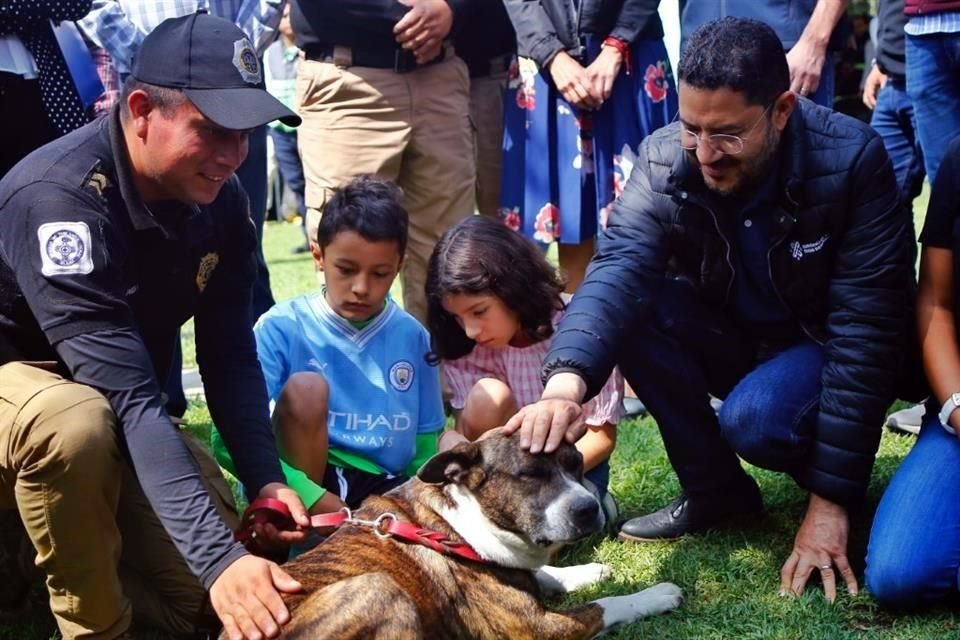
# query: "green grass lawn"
(730, 578)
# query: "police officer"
(110, 238)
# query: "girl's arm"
(597, 444)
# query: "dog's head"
(510, 505)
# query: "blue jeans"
(253, 177)
(288, 161)
(828, 79)
(685, 353)
(913, 556)
(933, 84)
(894, 120)
(600, 477)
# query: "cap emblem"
(246, 62)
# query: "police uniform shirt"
(94, 279)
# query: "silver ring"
(826, 567)
(253, 535)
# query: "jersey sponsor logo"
(65, 248)
(207, 264)
(368, 421)
(401, 375)
(246, 62)
(798, 251)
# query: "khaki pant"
(61, 466)
(412, 128)
(486, 113)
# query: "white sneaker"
(907, 420)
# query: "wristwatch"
(951, 405)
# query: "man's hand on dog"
(557, 416)
(820, 545)
(246, 599)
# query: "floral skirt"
(563, 167)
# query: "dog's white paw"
(663, 597)
(585, 575)
(567, 579)
(649, 602)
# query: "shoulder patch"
(65, 248)
(401, 375)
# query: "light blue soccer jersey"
(382, 391)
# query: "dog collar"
(386, 525)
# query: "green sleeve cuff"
(308, 490)
(426, 449)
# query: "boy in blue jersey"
(356, 407)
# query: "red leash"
(386, 525)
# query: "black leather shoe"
(683, 515)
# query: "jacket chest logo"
(207, 264)
(799, 250)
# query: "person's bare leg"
(300, 422)
(489, 404)
(574, 259)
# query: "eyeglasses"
(723, 142)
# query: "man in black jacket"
(759, 253)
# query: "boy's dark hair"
(481, 255)
(740, 54)
(166, 99)
(368, 205)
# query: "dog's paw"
(663, 597)
(567, 579)
(588, 574)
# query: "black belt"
(397, 58)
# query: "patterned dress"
(564, 167)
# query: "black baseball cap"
(216, 66)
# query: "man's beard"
(754, 172)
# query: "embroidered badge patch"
(401, 375)
(65, 248)
(798, 251)
(207, 264)
(246, 62)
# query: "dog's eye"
(538, 472)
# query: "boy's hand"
(268, 533)
(246, 599)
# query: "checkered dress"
(519, 369)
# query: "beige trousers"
(486, 113)
(412, 128)
(106, 556)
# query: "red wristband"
(620, 45)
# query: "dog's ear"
(450, 466)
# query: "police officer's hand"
(269, 535)
(423, 28)
(246, 598)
